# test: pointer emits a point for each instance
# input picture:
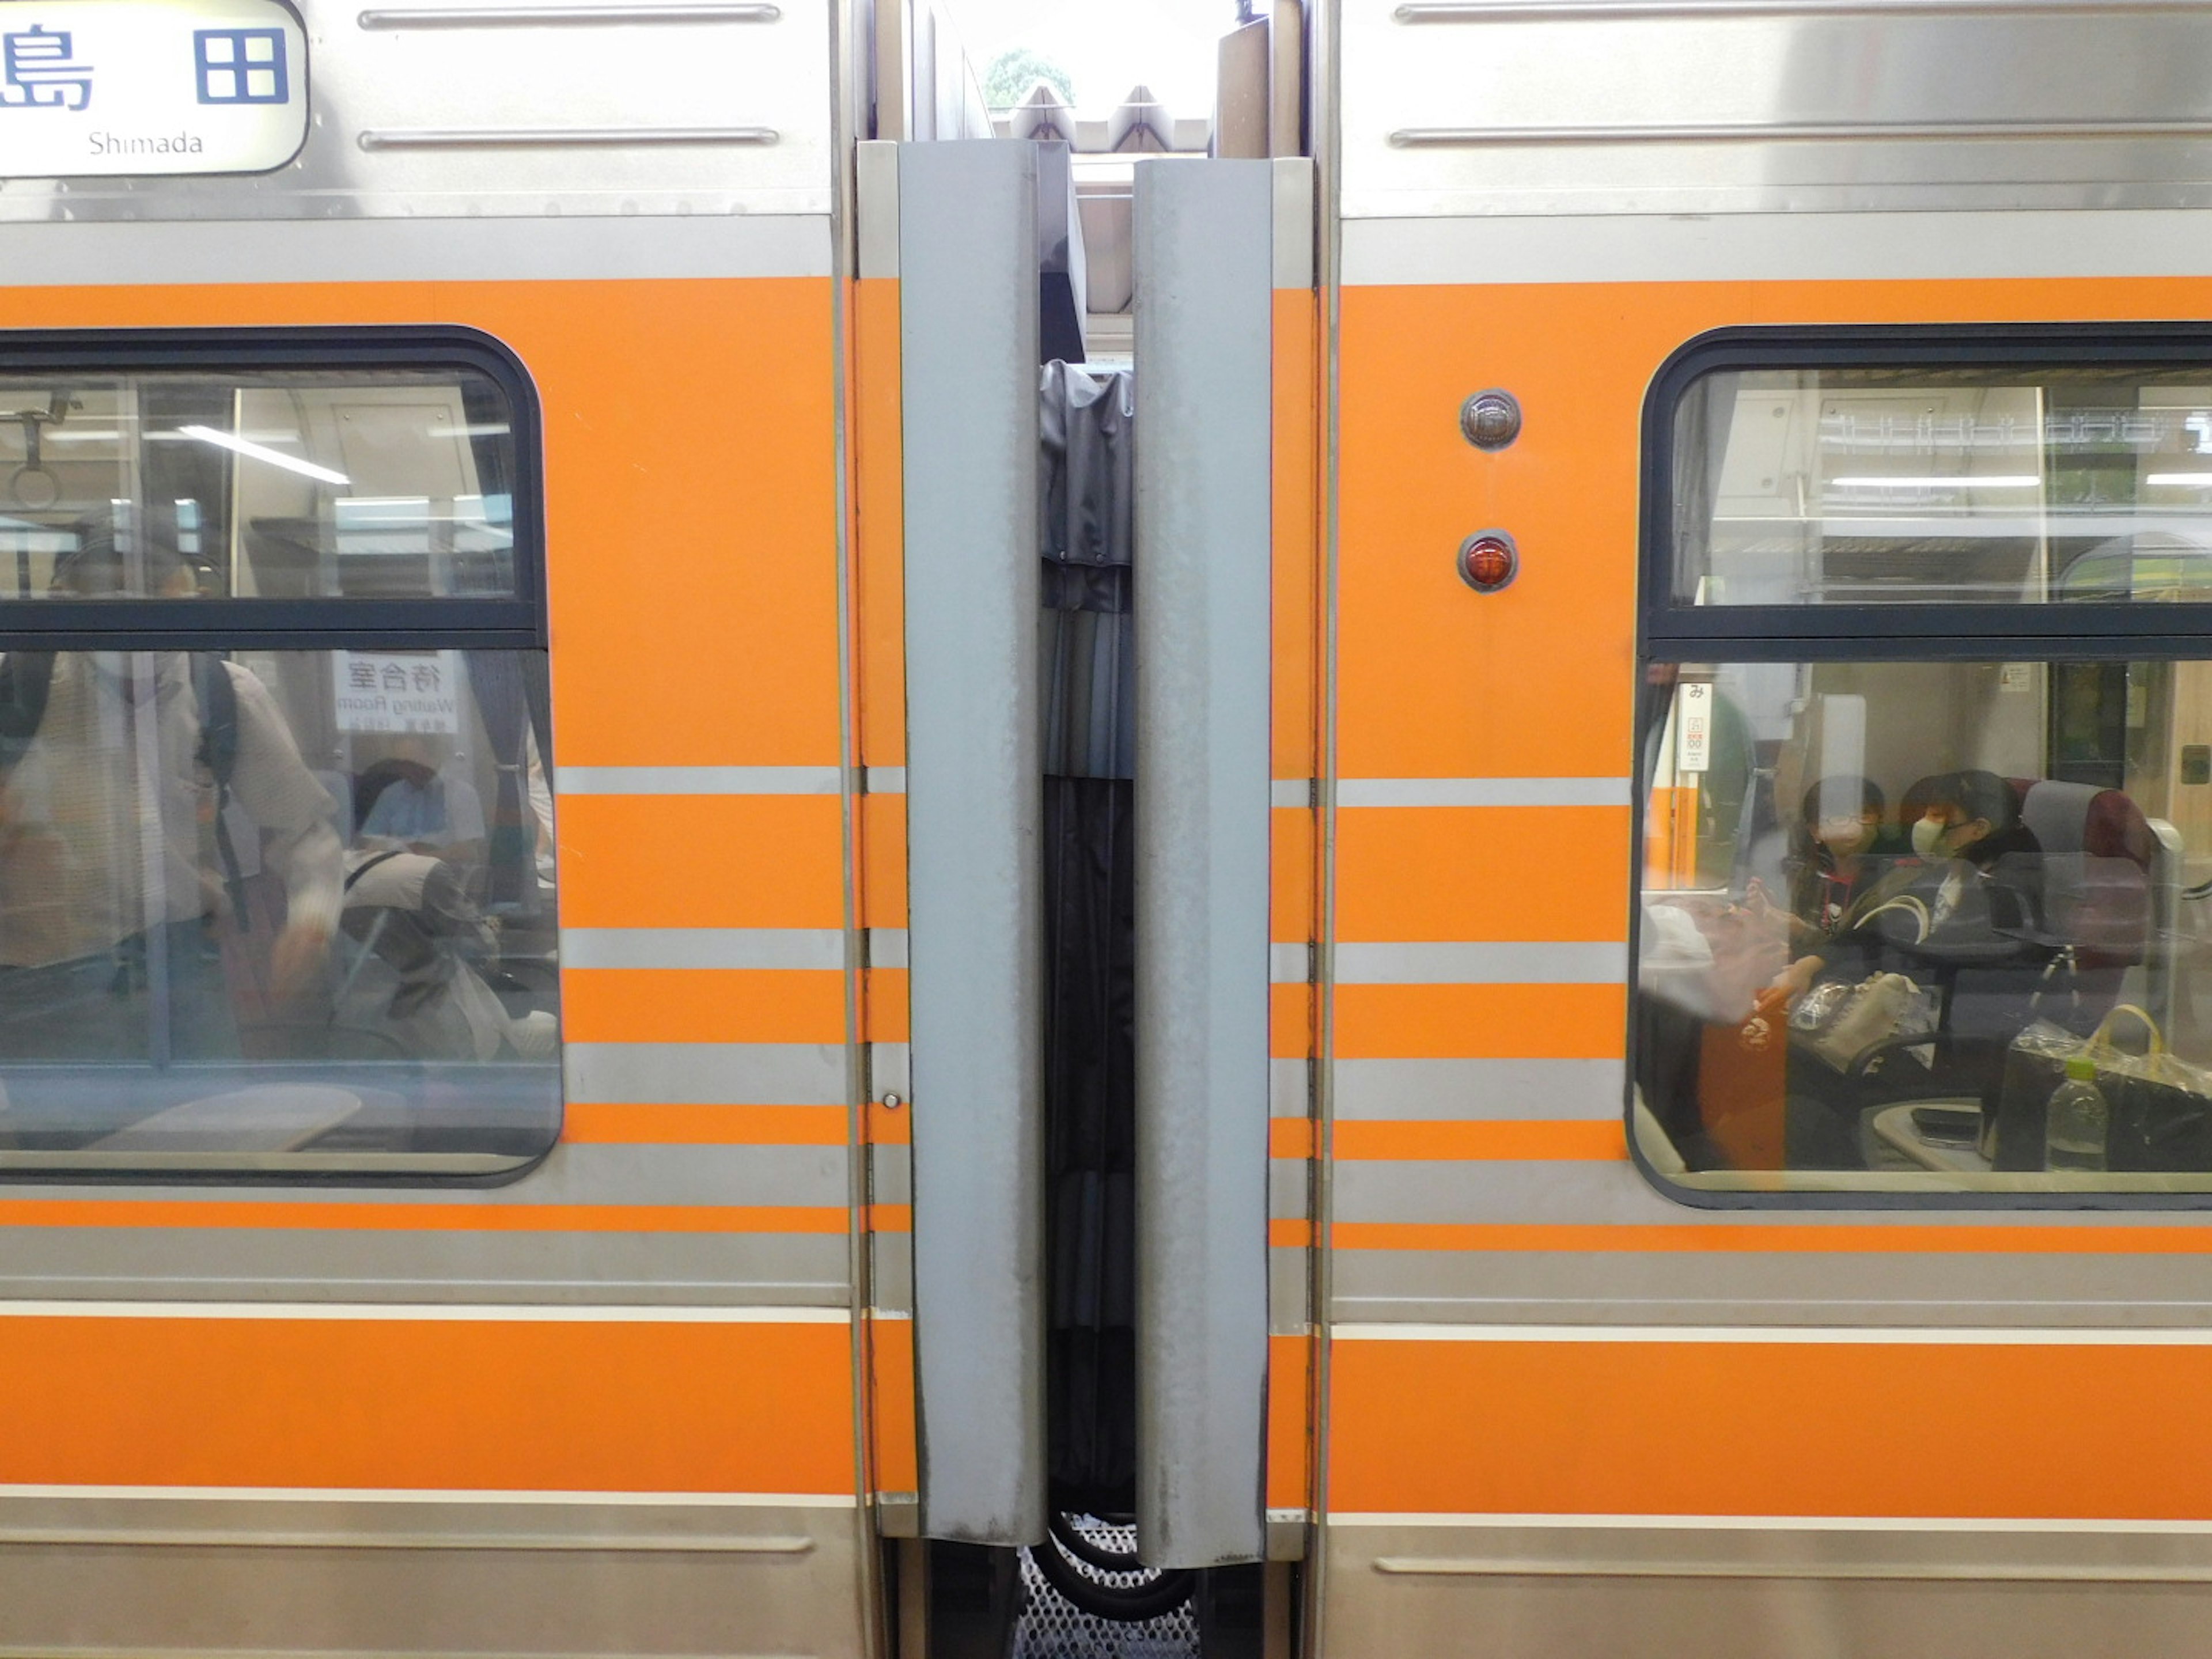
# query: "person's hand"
(1786, 986)
(296, 958)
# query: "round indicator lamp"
(1488, 561)
(1491, 420)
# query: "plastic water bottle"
(2077, 1120)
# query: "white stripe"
(1397, 1090)
(1482, 792)
(1290, 1088)
(887, 947)
(1785, 1335)
(1772, 1522)
(1291, 793)
(718, 1500)
(706, 1073)
(702, 947)
(535, 248)
(890, 1069)
(416, 1312)
(699, 780)
(885, 779)
(1290, 965)
(1773, 248)
(1474, 964)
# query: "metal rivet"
(1491, 420)
(892, 1103)
(1488, 561)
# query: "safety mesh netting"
(1053, 1627)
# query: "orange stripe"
(1501, 1022)
(882, 861)
(886, 1127)
(1576, 1141)
(1291, 1235)
(448, 1404)
(665, 862)
(1843, 1429)
(1295, 467)
(1432, 872)
(489, 1218)
(1966, 1238)
(720, 645)
(603, 1124)
(1290, 1021)
(1290, 1444)
(703, 1005)
(1290, 1137)
(879, 525)
(890, 1404)
(891, 1217)
(1434, 679)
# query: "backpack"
(25, 678)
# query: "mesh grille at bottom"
(1053, 1627)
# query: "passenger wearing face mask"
(110, 873)
(1843, 845)
(1978, 878)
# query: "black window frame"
(1668, 634)
(512, 623)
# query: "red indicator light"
(1488, 561)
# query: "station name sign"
(102, 88)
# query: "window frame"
(518, 623)
(1668, 634)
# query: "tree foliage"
(1012, 73)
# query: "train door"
(1085, 646)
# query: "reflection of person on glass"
(414, 913)
(1976, 883)
(114, 854)
(406, 800)
(1843, 847)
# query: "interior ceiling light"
(207, 435)
(2021, 482)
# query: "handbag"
(2161, 1119)
(1842, 1027)
(1838, 1022)
(2160, 1105)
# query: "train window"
(1926, 894)
(2018, 484)
(276, 876)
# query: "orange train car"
(788, 868)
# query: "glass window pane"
(1887, 907)
(285, 484)
(2012, 484)
(276, 910)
